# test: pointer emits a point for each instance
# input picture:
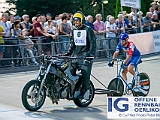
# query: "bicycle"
(117, 83)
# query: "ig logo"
(115, 104)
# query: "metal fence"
(16, 52)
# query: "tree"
(55, 7)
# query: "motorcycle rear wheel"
(85, 103)
(29, 99)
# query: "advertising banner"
(156, 40)
(131, 3)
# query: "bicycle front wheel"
(117, 85)
(145, 85)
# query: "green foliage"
(55, 7)
(88, 7)
(145, 5)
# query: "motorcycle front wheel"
(83, 102)
(30, 100)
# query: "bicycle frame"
(121, 78)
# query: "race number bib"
(80, 37)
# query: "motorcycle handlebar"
(67, 57)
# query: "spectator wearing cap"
(65, 33)
(38, 31)
(49, 18)
(17, 18)
(5, 24)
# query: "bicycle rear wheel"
(145, 85)
(116, 82)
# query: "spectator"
(107, 19)
(2, 33)
(147, 22)
(29, 47)
(65, 33)
(140, 21)
(17, 18)
(25, 23)
(111, 28)
(125, 15)
(89, 22)
(43, 20)
(6, 25)
(153, 6)
(119, 24)
(60, 20)
(157, 9)
(132, 23)
(151, 10)
(49, 18)
(133, 12)
(100, 29)
(56, 18)
(11, 21)
(52, 32)
(34, 20)
(16, 33)
(38, 32)
(155, 22)
(99, 24)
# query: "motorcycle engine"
(62, 89)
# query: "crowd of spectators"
(46, 29)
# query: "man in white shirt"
(6, 25)
(111, 28)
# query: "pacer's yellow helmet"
(79, 16)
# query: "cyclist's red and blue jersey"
(132, 51)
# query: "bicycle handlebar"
(117, 59)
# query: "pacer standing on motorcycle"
(83, 44)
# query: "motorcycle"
(55, 81)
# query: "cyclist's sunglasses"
(122, 40)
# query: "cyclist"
(132, 60)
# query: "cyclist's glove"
(110, 64)
(123, 66)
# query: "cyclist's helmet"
(123, 36)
